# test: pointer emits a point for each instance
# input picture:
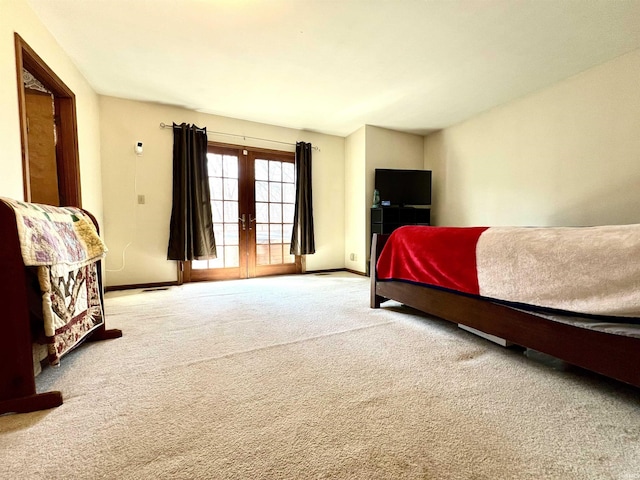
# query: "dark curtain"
(302, 241)
(191, 227)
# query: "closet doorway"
(252, 204)
(49, 133)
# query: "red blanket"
(439, 256)
(589, 270)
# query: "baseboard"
(334, 270)
(356, 272)
(115, 288)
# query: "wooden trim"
(233, 146)
(333, 270)
(180, 267)
(38, 67)
(16, 374)
(115, 288)
(135, 286)
(67, 151)
(356, 272)
(22, 113)
(211, 275)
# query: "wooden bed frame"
(615, 356)
(17, 382)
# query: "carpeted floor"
(296, 378)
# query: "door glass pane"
(230, 212)
(262, 213)
(214, 164)
(288, 172)
(230, 189)
(262, 233)
(223, 182)
(232, 256)
(262, 170)
(218, 231)
(230, 166)
(217, 208)
(231, 231)
(275, 233)
(287, 232)
(275, 171)
(219, 261)
(276, 253)
(199, 264)
(262, 254)
(275, 192)
(288, 193)
(215, 188)
(274, 211)
(262, 191)
(288, 210)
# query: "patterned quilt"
(63, 245)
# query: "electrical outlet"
(141, 200)
(353, 257)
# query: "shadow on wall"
(613, 205)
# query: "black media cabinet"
(385, 220)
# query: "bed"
(51, 295)
(571, 293)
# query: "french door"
(252, 204)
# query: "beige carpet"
(296, 378)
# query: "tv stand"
(385, 220)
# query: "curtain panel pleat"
(191, 227)
(302, 239)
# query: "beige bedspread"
(593, 270)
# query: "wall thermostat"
(138, 148)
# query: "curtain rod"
(164, 125)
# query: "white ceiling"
(335, 65)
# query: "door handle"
(251, 220)
(244, 221)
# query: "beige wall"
(391, 149)
(355, 200)
(17, 16)
(145, 228)
(367, 149)
(388, 149)
(568, 155)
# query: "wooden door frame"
(277, 269)
(190, 274)
(186, 274)
(67, 154)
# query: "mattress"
(587, 271)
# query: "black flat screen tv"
(403, 187)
